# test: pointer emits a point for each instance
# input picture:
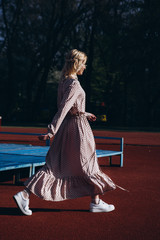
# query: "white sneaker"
(101, 207)
(23, 204)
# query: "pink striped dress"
(71, 168)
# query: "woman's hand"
(43, 137)
(92, 117)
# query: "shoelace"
(104, 203)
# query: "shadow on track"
(16, 212)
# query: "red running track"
(137, 214)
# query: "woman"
(71, 168)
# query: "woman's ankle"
(26, 193)
(95, 199)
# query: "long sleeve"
(70, 95)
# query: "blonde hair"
(73, 63)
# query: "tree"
(121, 39)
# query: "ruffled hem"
(44, 185)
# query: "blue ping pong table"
(18, 156)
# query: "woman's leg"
(95, 199)
(26, 193)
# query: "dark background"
(121, 39)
